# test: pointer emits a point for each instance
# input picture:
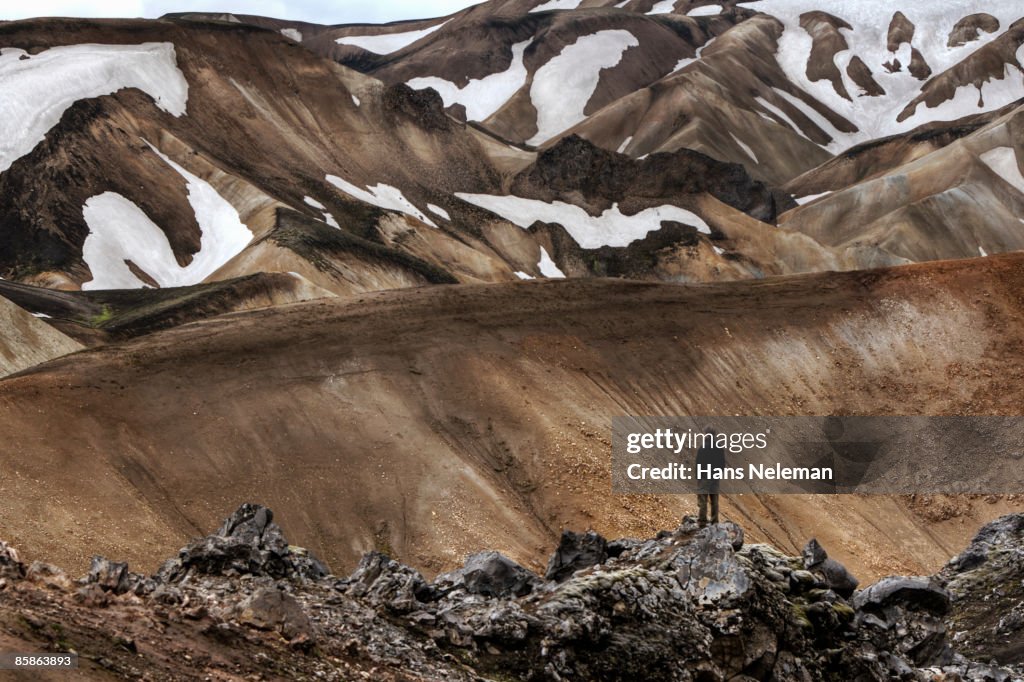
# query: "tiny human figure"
(710, 460)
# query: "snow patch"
(438, 211)
(745, 147)
(547, 266)
(387, 43)
(328, 218)
(981, 251)
(522, 275)
(481, 96)
(705, 11)
(1003, 161)
(782, 115)
(382, 196)
(686, 61)
(292, 33)
(356, 100)
(837, 145)
(43, 316)
(120, 231)
(625, 143)
(39, 88)
(611, 228)
(809, 198)
(562, 87)
(663, 7)
(718, 249)
(556, 4)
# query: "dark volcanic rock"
(576, 551)
(248, 542)
(918, 593)
(384, 582)
(490, 574)
(986, 585)
(10, 564)
(904, 615)
(575, 166)
(833, 573)
(689, 604)
(424, 107)
(273, 609)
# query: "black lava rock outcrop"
(576, 551)
(831, 571)
(249, 542)
(690, 604)
(986, 586)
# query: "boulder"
(10, 565)
(272, 609)
(576, 551)
(110, 575)
(707, 567)
(906, 615)
(48, 575)
(833, 573)
(382, 581)
(490, 574)
(914, 593)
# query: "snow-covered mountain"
(419, 152)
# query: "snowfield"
(481, 96)
(663, 7)
(39, 88)
(556, 4)
(781, 115)
(328, 218)
(120, 231)
(611, 228)
(705, 11)
(438, 211)
(562, 87)
(875, 117)
(547, 266)
(382, 196)
(386, 43)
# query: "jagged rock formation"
(690, 604)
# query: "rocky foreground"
(690, 604)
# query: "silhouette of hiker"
(712, 459)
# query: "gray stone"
(576, 551)
(832, 573)
(916, 593)
(490, 574)
(273, 609)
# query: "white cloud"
(317, 11)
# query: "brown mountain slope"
(964, 199)
(26, 340)
(431, 422)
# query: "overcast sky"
(318, 11)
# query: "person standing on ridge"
(710, 460)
